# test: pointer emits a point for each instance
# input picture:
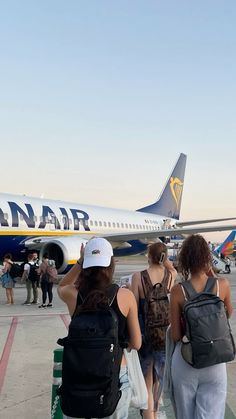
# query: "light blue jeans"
(122, 410)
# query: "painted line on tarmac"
(7, 350)
(34, 314)
(65, 320)
(229, 413)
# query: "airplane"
(59, 228)
(227, 247)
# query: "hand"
(81, 258)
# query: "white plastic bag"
(139, 394)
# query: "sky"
(98, 98)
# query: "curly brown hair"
(93, 283)
(194, 256)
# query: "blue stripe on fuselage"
(136, 248)
(14, 245)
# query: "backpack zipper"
(101, 399)
(111, 347)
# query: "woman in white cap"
(92, 276)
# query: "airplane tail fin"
(169, 202)
(227, 247)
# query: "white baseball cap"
(97, 252)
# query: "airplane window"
(140, 226)
(5, 216)
(133, 225)
(122, 225)
(118, 225)
(76, 222)
(70, 221)
(96, 223)
(109, 224)
(104, 223)
(91, 222)
(126, 225)
(100, 223)
(137, 226)
(21, 217)
(130, 225)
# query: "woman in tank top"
(91, 276)
(161, 271)
(198, 393)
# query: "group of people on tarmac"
(34, 274)
(197, 393)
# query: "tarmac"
(27, 341)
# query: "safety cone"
(56, 412)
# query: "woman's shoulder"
(177, 291)
(223, 283)
(125, 294)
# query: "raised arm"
(135, 285)
(135, 339)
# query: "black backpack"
(15, 271)
(156, 310)
(208, 340)
(91, 363)
(33, 274)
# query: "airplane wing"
(196, 222)
(149, 235)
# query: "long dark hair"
(93, 284)
(194, 256)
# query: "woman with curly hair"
(198, 393)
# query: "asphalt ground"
(28, 337)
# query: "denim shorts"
(122, 410)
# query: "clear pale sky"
(99, 97)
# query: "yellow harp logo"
(176, 187)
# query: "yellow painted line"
(44, 233)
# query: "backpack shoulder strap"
(146, 282)
(167, 280)
(211, 282)
(188, 290)
(112, 292)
